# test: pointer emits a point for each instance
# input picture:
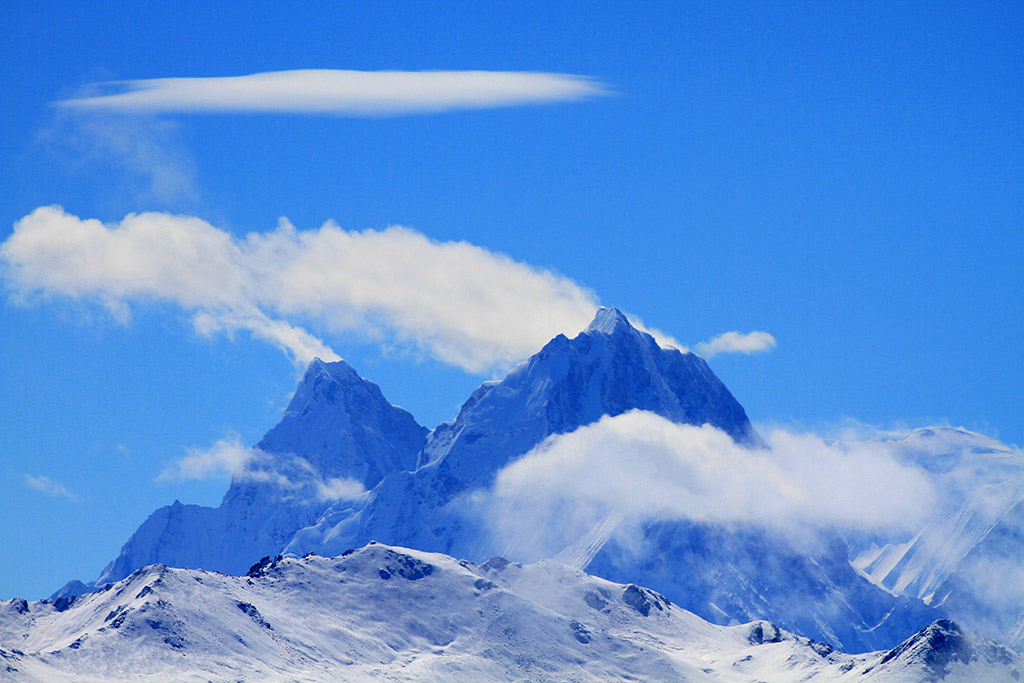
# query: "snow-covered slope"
(383, 613)
(337, 426)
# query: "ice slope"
(337, 425)
(967, 559)
(384, 613)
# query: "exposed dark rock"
(594, 600)
(580, 631)
(764, 632)
(635, 598)
(63, 603)
(253, 613)
(261, 567)
(495, 563)
(406, 566)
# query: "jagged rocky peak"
(609, 321)
(343, 426)
(608, 369)
(943, 649)
(337, 426)
(319, 384)
(615, 367)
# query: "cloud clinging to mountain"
(639, 466)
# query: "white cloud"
(48, 486)
(338, 488)
(665, 340)
(639, 466)
(294, 341)
(736, 342)
(338, 92)
(292, 474)
(457, 302)
(226, 457)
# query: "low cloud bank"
(639, 467)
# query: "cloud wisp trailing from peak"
(338, 92)
(453, 301)
(736, 342)
(44, 484)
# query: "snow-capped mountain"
(385, 613)
(722, 573)
(337, 426)
(423, 492)
(608, 369)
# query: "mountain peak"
(337, 370)
(609, 321)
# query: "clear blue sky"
(848, 177)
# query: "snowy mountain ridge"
(394, 614)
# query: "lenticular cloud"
(338, 92)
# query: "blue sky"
(847, 177)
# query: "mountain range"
(345, 468)
(393, 614)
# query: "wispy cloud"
(229, 457)
(454, 301)
(225, 457)
(736, 342)
(48, 486)
(339, 488)
(338, 92)
(137, 159)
